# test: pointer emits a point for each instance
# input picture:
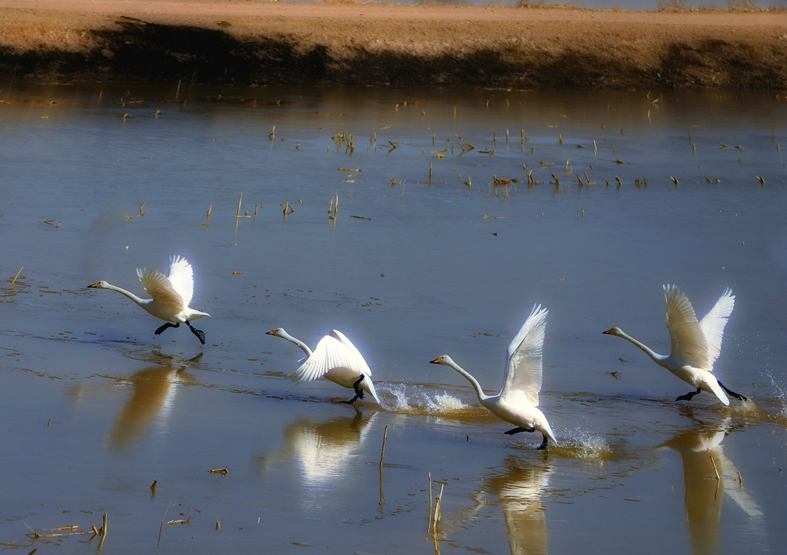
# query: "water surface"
(427, 256)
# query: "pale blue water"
(94, 407)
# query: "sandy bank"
(248, 42)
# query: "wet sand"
(357, 44)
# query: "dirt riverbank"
(266, 43)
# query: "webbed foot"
(199, 333)
(358, 391)
(688, 395)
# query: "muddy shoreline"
(359, 44)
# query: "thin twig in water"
(385, 440)
(17, 275)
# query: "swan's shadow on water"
(322, 450)
(709, 477)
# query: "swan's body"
(336, 359)
(171, 295)
(695, 345)
(517, 401)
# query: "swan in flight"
(336, 359)
(171, 295)
(695, 345)
(517, 401)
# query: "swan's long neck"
(304, 347)
(648, 351)
(141, 302)
(472, 380)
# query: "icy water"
(426, 256)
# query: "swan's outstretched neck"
(648, 351)
(471, 379)
(141, 302)
(304, 347)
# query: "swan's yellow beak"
(610, 331)
(436, 361)
(272, 332)
(94, 285)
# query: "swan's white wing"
(523, 370)
(361, 362)
(713, 324)
(688, 341)
(160, 288)
(182, 278)
(330, 353)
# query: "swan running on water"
(695, 345)
(336, 359)
(171, 295)
(518, 398)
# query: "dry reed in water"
(13, 281)
(385, 440)
(716, 470)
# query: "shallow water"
(95, 407)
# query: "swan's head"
(99, 285)
(614, 331)
(278, 332)
(445, 360)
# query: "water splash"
(418, 400)
(581, 444)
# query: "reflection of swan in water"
(704, 494)
(519, 491)
(153, 397)
(325, 449)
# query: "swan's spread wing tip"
(686, 336)
(160, 288)
(524, 367)
(181, 276)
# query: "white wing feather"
(182, 278)
(713, 324)
(361, 362)
(687, 337)
(329, 354)
(160, 288)
(523, 369)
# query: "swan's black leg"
(544, 443)
(519, 429)
(165, 326)
(688, 395)
(358, 391)
(738, 396)
(199, 333)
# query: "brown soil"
(251, 42)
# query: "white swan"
(171, 295)
(695, 345)
(336, 359)
(518, 398)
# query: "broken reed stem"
(106, 525)
(437, 510)
(429, 523)
(716, 470)
(177, 93)
(240, 200)
(385, 440)
(17, 275)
